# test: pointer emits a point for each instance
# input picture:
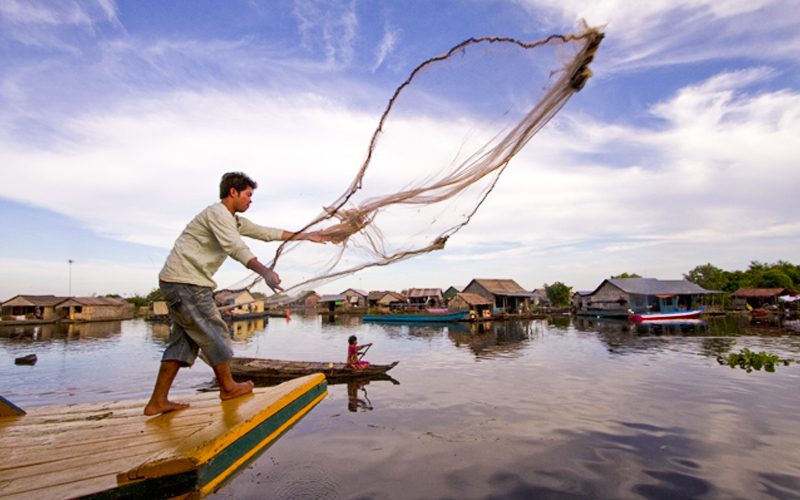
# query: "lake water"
(562, 408)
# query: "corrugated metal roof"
(653, 286)
(229, 297)
(396, 296)
(424, 292)
(474, 299)
(757, 293)
(332, 298)
(33, 300)
(506, 287)
(379, 294)
(92, 301)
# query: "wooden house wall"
(607, 298)
(101, 312)
(47, 313)
(458, 303)
(476, 288)
(507, 303)
(360, 302)
(312, 301)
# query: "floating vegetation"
(749, 360)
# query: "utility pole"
(70, 261)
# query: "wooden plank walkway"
(111, 450)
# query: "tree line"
(781, 274)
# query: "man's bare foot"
(236, 389)
(154, 408)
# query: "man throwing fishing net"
(186, 284)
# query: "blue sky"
(117, 119)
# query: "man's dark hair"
(236, 180)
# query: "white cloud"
(385, 46)
(719, 181)
(44, 23)
(666, 32)
(330, 26)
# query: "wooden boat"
(661, 316)
(277, 369)
(418, 317)
(111, 450)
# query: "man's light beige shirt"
(207, 240)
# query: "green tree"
(790, 270)
(709, 277)
(775, 278)
(558, 294)
(625, 275)
(137, 300)
(154, 295)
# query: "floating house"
(94, 309)
(757, 297)
(621, 297)
(309, 300)
(158, 311)
(356, 299)
(451, 292)
(240, 305)
(334, 302)
(506, 295)
(480, 306)
(539, 298)
(32, 307)
(385, 300)
(580, 299)
(425, 297)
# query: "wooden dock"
(111, 450)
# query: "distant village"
(483, 299)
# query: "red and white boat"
(662, 316)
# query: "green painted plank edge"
(186, 482)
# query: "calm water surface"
(532, 409)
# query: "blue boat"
(418, 317)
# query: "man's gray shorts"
(196, 324)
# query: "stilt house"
(506, 295)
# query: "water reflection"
(160, 330)
(657, 418)
(245, 329)
(495, 338)
(358, 401)
(344, 320)
(65, 331)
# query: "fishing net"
(446, 135)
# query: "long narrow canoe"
(278, 369)
(418, 317)
(111, 450)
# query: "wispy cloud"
(44, 23)
(665, 32)
(385, 46)
(330, 27)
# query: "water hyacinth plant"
(749, 360)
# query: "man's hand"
(316, 237)
(271, 278)
(313, 236)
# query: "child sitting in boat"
(354, 352)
